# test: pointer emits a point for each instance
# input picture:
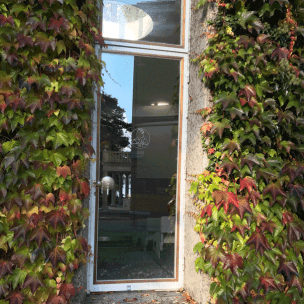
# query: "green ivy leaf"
(17, 277)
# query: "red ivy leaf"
(3, 105)
(63, 171)
(232, 262)
(15, 298)
(5, 267)
(77, 168)
(35, 22)
(207, 209)
(288, 268)
(259, 241)
(88, 49)
(33, 282)
(15, 102)
(243, 206)
(240, 228)
(44, 42)
(34, 105)
(12, 59)
(24, 40)
(57, 254)
(35, 192)
(68, 90)
(49, 198)
(214, 255)
(263, 38)
(56, 217)
(67, 290)
(20, 231)
(231, 146)
(4, 20)
(280, 53)
(98, 37)
(275, 190)
(249, 92)
(56, 300)
(297, 191)
(291, 171)
(245, 40)
(247, 183)
(63, 196)
(297, 282)
(267, 283)
(40, 234)
(34, 220)
(75, 103)
(225, 198)
(19, 259)
(220, 126)
(250, 161)
(84, 244)
(287, 217)
(229, 166)
(269, 225)
(80, 76)
(295, 231)
(85, 189)
(57, 24)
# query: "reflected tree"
(113, 124)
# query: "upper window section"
(156, 21)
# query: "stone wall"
(197, 284)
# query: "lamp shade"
(107, 183)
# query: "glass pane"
(151, 21)
(139, 120)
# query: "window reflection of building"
(152, 160)
(153, 21)
(135, 212)
(153, 111)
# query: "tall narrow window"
(135, 216)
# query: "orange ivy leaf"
(206, 127)
(63, 171)
(67, 290)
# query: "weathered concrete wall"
(80, 277)
(197, 284)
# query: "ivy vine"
(250, 198)
(48, 70)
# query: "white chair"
(165, 235)
(152, 227)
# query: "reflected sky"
(119, 80)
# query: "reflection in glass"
(139, 117)
(151, 21)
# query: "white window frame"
(153, 50)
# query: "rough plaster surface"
(80, 277)
(197, 284)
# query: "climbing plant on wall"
(48, 71)
(250, 197)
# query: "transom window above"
(156, 21)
